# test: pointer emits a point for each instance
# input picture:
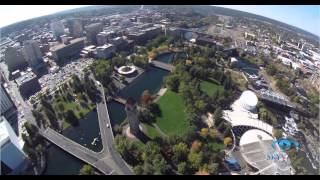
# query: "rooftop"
(25, 78)
(60, 46)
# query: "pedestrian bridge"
(161, 65)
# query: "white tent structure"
(256, 149)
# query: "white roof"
(249, 98)
(253, 136)
(4, 134)
(256, 147)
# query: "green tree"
(71, 118)
(182, 168)
(180, 152)
(218, 116)
(86, 170)
(195, 159)
(277, 133)
(172, 82)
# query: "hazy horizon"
(303, 17)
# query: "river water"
(60, 162)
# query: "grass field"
(71, 105)
(151, 132)
(210, 88)
(173, 120)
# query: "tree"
(195, 159)
(72, 118)
(38, 117)
(138, 169)
(202, 171)
(182, 168)
(145, 98)
(277, 133)
(200, 105)
(180, 152)
(154, 109)
(217, 116)
(213, 133)
(172, 82)
(227, 141)
(86, 170)
(196, 146)
(146, 116)
(204, 132)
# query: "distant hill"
(206, 9)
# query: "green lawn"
(210, 88)
(173, 120)
(151, 132)
(72, 105)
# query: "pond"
(168, 57)
(86, 132)
(151, 80)
(60, 162)
(117, 113)
(247, 67)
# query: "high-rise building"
(12, 156)
(91, 32)
(8, 109)
(57, 28)
(75, 27)
(131, 110)
(14, 59)
(33, 54)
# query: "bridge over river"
(108, 160)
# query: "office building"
(62, 52)
(104, 37)
(33, 54)
(12, 156)
(8, 108)
(57, 29)
(75, 27)
(91, 32)
(106, 51)
(14, 58)
(28, 83)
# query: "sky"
(14, 13)
(306, 17)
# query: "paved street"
(108, 160)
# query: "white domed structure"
(248, 100)
(256, 149)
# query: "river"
(60, 162)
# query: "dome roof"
(249, 98)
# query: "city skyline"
(304, 19)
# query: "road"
(108, 161)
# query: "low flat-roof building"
(62, 52)
(106, 51)
(28, 83)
